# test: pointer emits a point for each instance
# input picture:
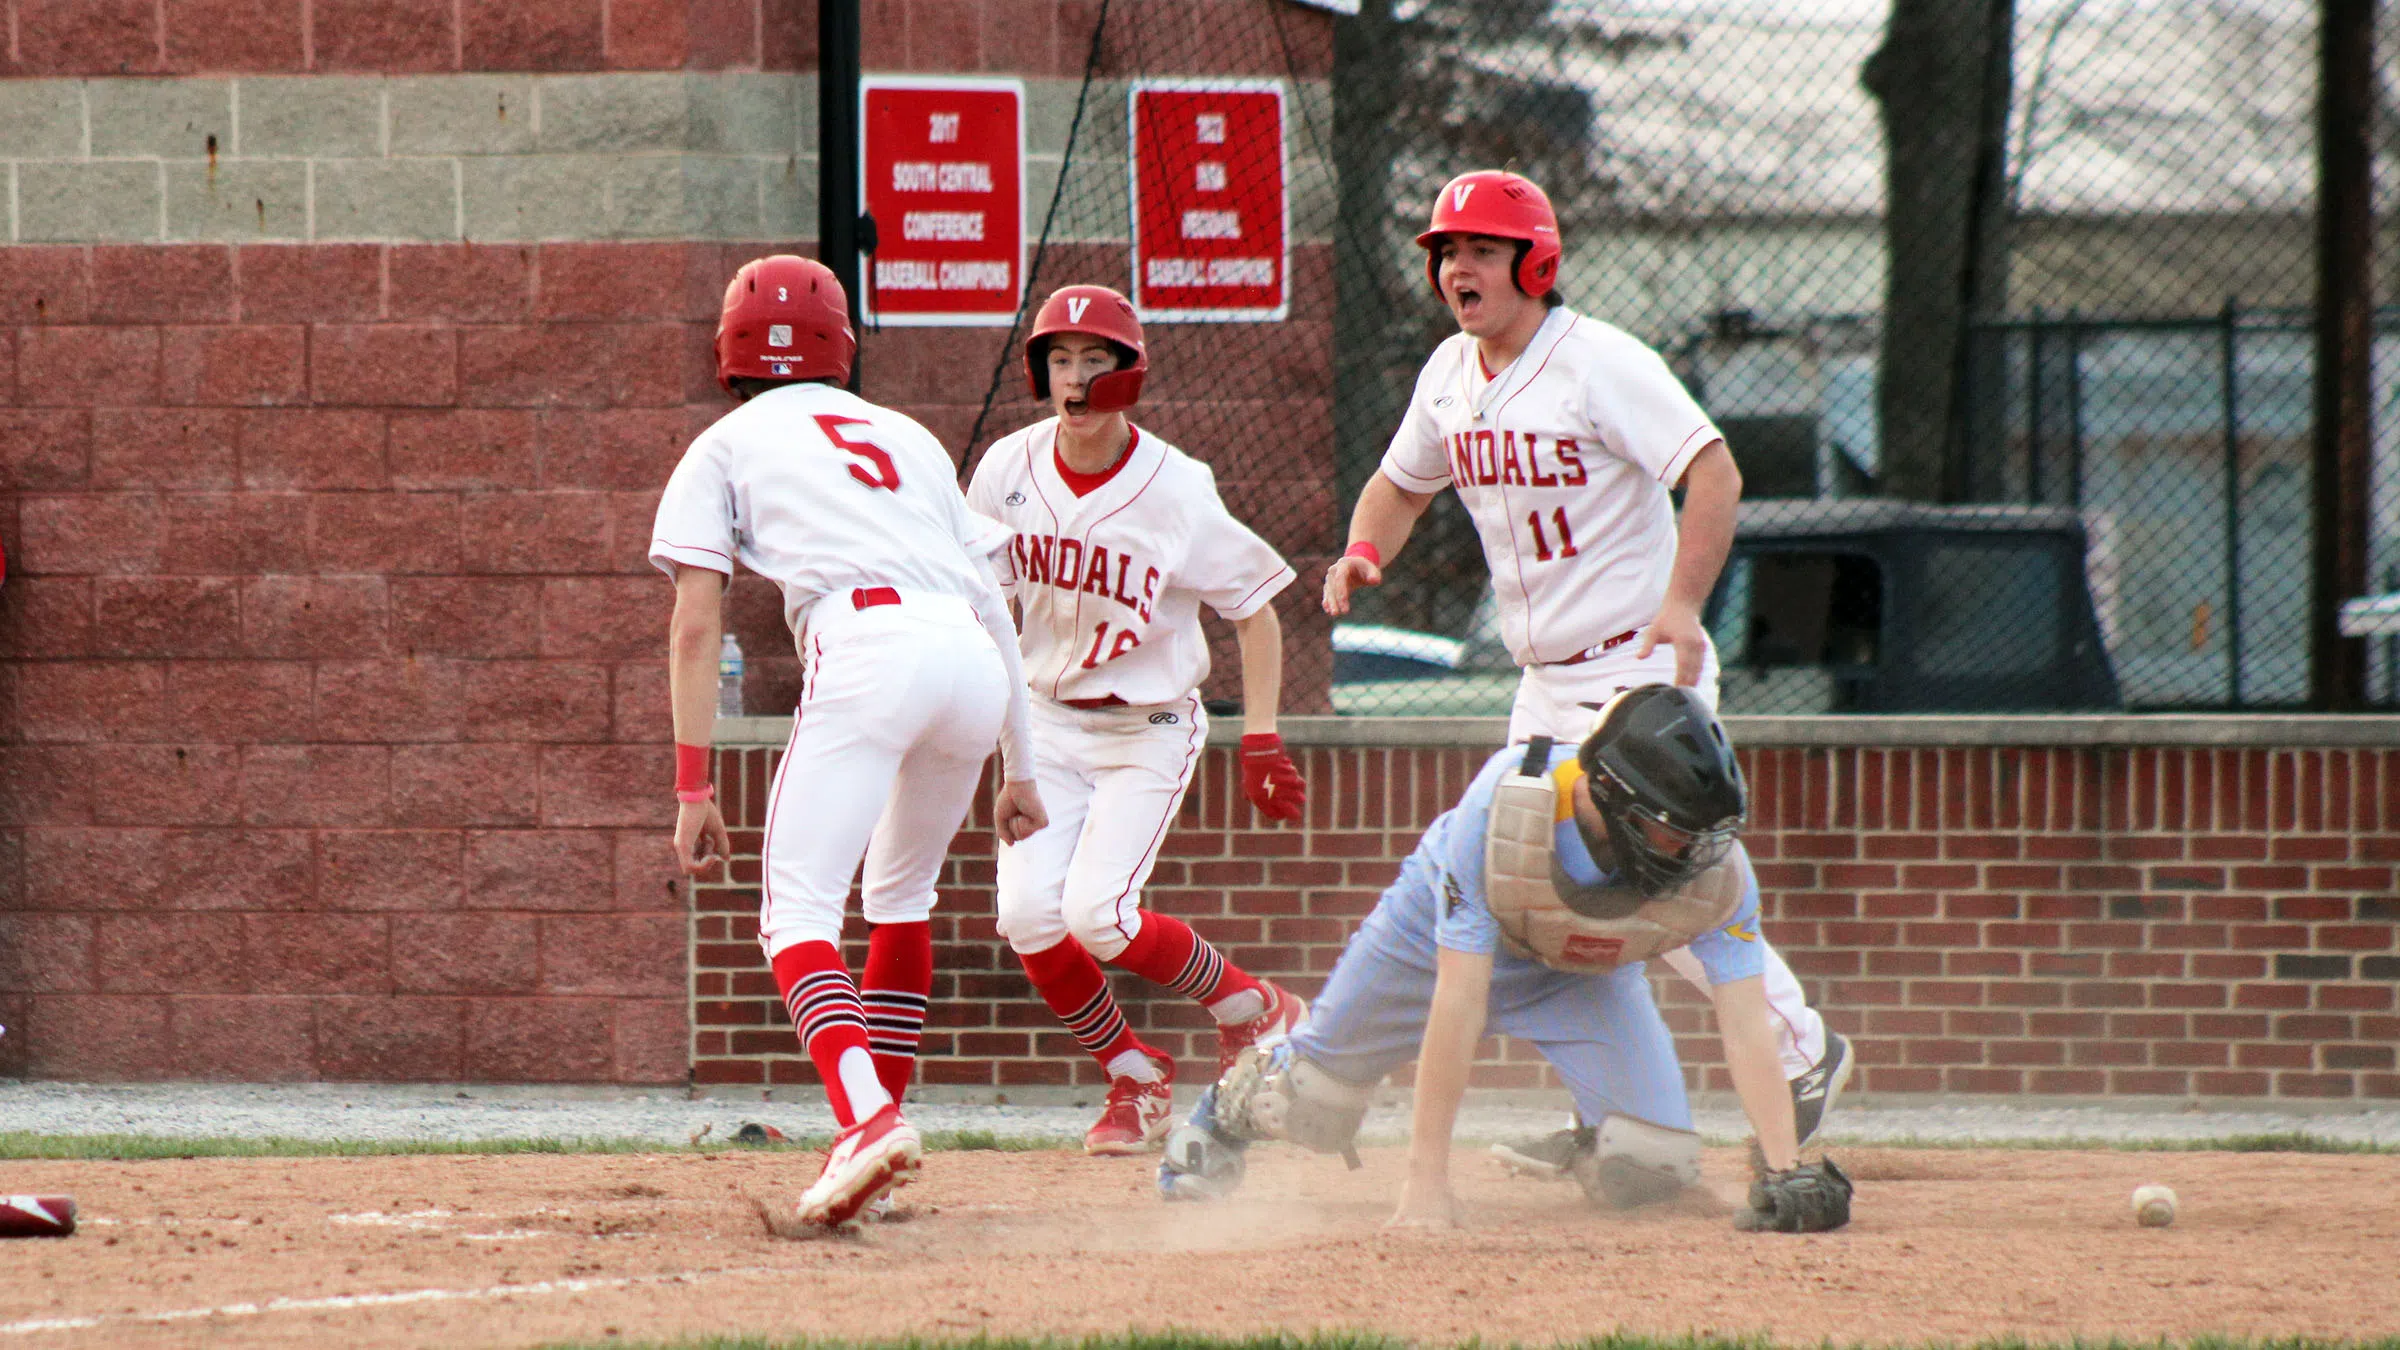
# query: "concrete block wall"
(344, 346)
(2001, 912)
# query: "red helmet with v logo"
(1101, 313)
(1502, 205)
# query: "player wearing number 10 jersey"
(1562, 437)
(1118, 539)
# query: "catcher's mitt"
(1809, 1199)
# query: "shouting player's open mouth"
(1465, 302)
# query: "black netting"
(2067, 465)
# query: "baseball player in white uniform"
(1562, 437)
(912, 676)
(1117, 539)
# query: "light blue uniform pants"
(1601, 1032)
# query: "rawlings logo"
(779, 335)
(1586, 949)
(1162, 719)
(1458, 196)
(1013, 499)
(1076, 305)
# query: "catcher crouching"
(1530, 907)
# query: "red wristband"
(691, 770)
(1365, 549)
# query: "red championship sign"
(1211, 204)
(943, 174)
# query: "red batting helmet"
(1102, 313)
(1503, 205)
(785, 318)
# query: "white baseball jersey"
(821, 492)
(1564, 460)
(1109, 585)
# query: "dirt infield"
(510, 1250)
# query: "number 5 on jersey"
(886, 476)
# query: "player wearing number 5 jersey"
(1562, 437)
(911, 675)
(1118, 539)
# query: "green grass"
(1173, 1340)
(2288, 1141)
(25, 1144)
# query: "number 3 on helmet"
(801, 333)
(1502, 205)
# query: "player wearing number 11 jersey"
(1118, 539)
(1562, 437)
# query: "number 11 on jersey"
(1541, 541)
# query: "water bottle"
(729, 678)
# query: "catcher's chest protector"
(1527, 890)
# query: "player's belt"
(1602, 648)
(868, 597)
(1088, 704)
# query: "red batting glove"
(1270, 780)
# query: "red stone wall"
(2179, 923)
(393, 37)
(332, 724)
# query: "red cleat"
(1284, 1011)
(872, 1158)
(1136, 1117)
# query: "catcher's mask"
(1665, 780)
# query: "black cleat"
(1815, 1092)
(1550, 1156)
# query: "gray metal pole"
(2345, 327)
(2230, 403)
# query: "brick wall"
(2172, 921)
(344, 345)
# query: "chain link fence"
(2070, 467)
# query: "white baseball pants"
(899, 708)
(1112, 780)
(1561, 702)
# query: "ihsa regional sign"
(944, 171)
(1210, 200)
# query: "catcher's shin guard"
(1634, 1163)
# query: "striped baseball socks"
(894, 987)
(1166, 951)
(1072, 983)
(825, 1008)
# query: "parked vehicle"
(1829, 606)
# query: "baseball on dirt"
(2153, 1206)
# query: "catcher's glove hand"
(1810, 1199)
(1199, 1162)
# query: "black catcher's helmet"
(1665, 780)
